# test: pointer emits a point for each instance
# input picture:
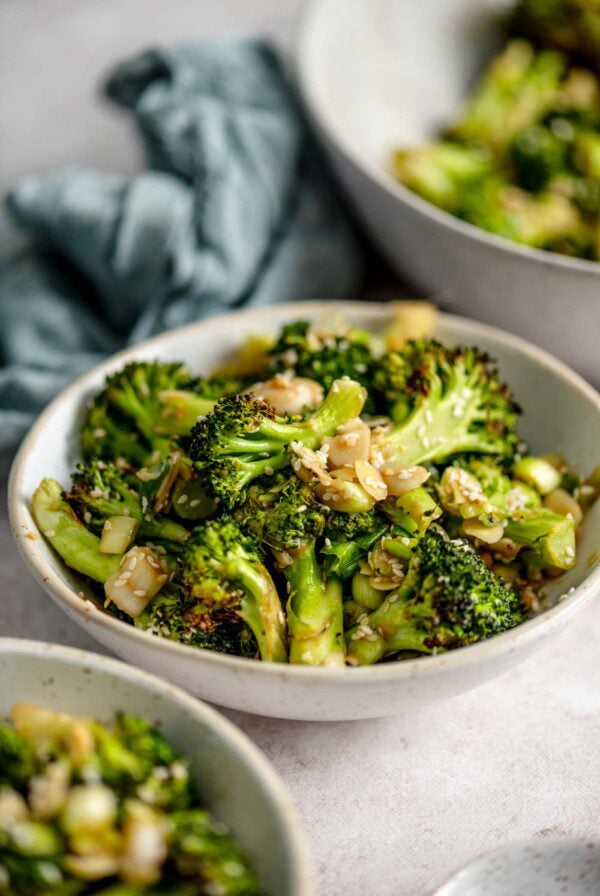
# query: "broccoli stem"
(260, 608)
(77, 546)
(548, 537)
(344, 401)
(398, 628)
(315, 612)
(180, 409)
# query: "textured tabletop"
(394, 805)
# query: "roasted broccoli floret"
(221, 569)
(569, 25)
(517, 88)
(445, 401)
(539, 153)
(205, 850)
(242, 438)
(349, 538)
(18, 761)
(140, 407)
(101, 491)
(448, 598)
(543, 220)
(322, 358)
(289, 519)
(171, 614)
(442, 172)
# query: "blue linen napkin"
(234, 209)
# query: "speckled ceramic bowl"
(536, 868)
(378, 74)
(561, 413)
(236, 781)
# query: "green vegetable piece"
(221, 568)
(78, 547)
(243, 439)
(314, 613)
(190, 501)
(117, 534)
(549, 537)
(416, 510)
(537, 473)
(448, 598)
(364, 593)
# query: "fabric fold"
(235, 209)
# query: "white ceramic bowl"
(376, 74)
(237, 783)
(562, 414)
(553, 867)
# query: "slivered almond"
(476, 529)
(313, 461)
(348, 474)
(403, 478)
(371, 480)
(352, 443)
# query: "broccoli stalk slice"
(342, 558)
(449, 598)
(104, 493)
(77, 546)
(548, 537)
(314, 610)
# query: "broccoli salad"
(523, 161)
(113, 811)
(331, 497)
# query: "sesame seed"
(50, 533)
(140, 592)
(182, 499)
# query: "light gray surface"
(391, 806)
